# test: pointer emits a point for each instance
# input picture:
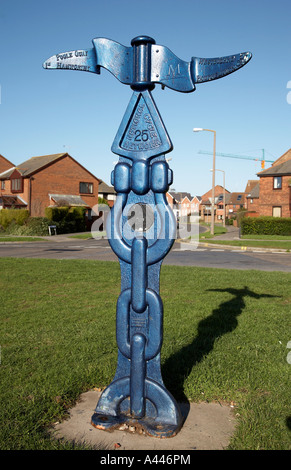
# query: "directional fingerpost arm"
(145, 64)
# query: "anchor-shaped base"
(162, 416)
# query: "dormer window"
(16, 185)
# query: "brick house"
(107, 192)
(252, 198)
(235, 202)
(183, 203)
(206, 204)
(47, 180)
(275, 188)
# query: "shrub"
(56, 214)
(32, 226)
(266, 226)
(19, 216)
(102, 200)
(229, 222)
(67, 219)
(240, 215)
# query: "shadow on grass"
(222, 320)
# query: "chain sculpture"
(141, 227)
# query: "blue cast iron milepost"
(141, 228)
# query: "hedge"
(266, 226)
(31, 226)
(7, 216)
(56, 214)
(67, 219)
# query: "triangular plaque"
(142, 134)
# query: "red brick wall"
(62, 177)
(4, 164)
(270, 197)
(24, 194)
(217, 190)
(254, 206)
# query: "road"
(213, 257)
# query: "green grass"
(252, 243)
(218, 230)
(88, 235)
(8, 238)
(267, 237)
(225, 339)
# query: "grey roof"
(236, 198)
(68, 199)
(250, 185)
(180, 195)
(281, 169)
(105, 188)
(220, 198)
(33, 164)
(255, 192)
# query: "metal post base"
(162, 417)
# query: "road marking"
(97, 246)
(217, 250)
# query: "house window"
(277, 211)
(277, 182)
(2, 184)
(16, 185)
(86, 188)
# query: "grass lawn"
(225, 339)
(9, 238)
(218, 230)
(88, 235)
(267, 237)
(252, 243)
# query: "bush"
(229, 222)
(67, 219)
(7, 216)
(56, 214)
(32, 226)
(102, 200)
(266, 226)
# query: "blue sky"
(51, 111)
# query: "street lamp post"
(224, 210)
(198, 129)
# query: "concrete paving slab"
(207, 426)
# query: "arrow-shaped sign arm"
(83, 60)
(106, 53)
(204, 70)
